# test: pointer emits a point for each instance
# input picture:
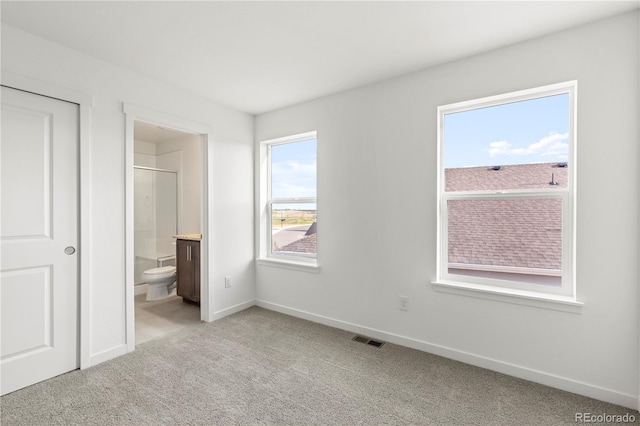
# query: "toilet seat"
(157, 274)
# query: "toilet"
(161, 282)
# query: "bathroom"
(167, 202)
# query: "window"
(506, 193)
(289, 207)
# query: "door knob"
(69, 250)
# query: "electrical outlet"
(227, 281)
(403, 303)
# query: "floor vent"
(367, 341)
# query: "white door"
(39, 237)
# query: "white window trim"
(289, 264)
(264, 254)
(564, 298)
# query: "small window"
(290, 229)
(506, 191)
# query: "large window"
(290, 229)
(506, 192)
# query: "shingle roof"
(525, 233)
(306, 244)
(519, 176)
(521, 233)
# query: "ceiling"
(260, 56)
(154, 133)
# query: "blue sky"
(531, 131)
(293, 169)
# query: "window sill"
(289, 264)
(538, 300)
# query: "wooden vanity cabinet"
(188, 270)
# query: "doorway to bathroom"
(167, 190)
(167, 186)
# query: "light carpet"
(259, 367)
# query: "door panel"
(39, 197)
(33, 194)
(34, 285)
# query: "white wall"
(189, 149)
(232, 168)
(377, 210)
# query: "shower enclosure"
(155, 218)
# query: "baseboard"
(233, 309)
(558, 382)
(107, 355)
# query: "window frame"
(265, 247)
(567, 291)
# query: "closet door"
(39, 238)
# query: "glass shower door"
(155, 217)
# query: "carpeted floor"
(259, 367)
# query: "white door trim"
(85, 101)
(135, 112)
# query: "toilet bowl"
(160, 281)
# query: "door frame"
(85, 106)
(132, 113)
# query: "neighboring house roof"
(513, 233)
(519, 176)
(523, 233)
(312, 229)
(306, 244)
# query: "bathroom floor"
(159, 317)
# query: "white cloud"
(499, 148)
(555, 144)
